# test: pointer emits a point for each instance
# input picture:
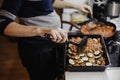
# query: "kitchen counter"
(111, 73)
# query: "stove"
(113, 47)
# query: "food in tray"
(104, 30)
(90, 55)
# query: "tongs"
(92, 18)
(95, 20)
(79, 45)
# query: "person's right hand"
(85, 8)
(58, 35)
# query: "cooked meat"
(104, 30)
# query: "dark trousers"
(39, 58)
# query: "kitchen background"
(10, 64)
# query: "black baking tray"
(86, 68)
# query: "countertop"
(111, 73)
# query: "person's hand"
(63, 4)
(58, 35)
(85, 8)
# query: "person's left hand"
(85, 8)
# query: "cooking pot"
(79, 26)
(113, 9)
(102, 24)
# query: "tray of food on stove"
(86, 53)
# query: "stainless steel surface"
(113, 9)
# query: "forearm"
(63, 4)
(17, 30)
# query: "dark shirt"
(22, 8)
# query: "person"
(38, 32)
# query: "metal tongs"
(99, 23)
(79, 45)
(92, 18)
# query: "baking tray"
(72, 68)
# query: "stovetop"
(113, 47)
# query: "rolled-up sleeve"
(8, 13)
